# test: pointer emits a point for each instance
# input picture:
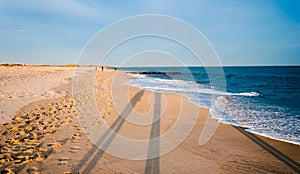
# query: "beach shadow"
(116, 126)
(273, 151)
(152, 165)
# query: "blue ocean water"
(264, 100)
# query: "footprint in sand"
(32, 170)
(63, 161)
(76, 136)
(7, 170)
(55, 144)
(74, 149)
(78, 127)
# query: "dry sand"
(43, 134)
(22, 85)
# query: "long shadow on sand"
(116, 126)
(152, 164)
(276, 153)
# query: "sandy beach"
(46, 129)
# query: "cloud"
(17, 30)
(54, 8)
(69, 7)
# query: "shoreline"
(220, 121)
(261, 136)
(228, 151)
(253, 129)
(291, 150)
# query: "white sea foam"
(227, 107)
(178, 86)
(249, 94)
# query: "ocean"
(263, 99)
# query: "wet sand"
(44, 136)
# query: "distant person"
(102, 68)
(115, 68)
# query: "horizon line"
(146, 66)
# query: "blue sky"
(256, 32)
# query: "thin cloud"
(227, 10)
(56, 8)
(17, 30)
(70, 7)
